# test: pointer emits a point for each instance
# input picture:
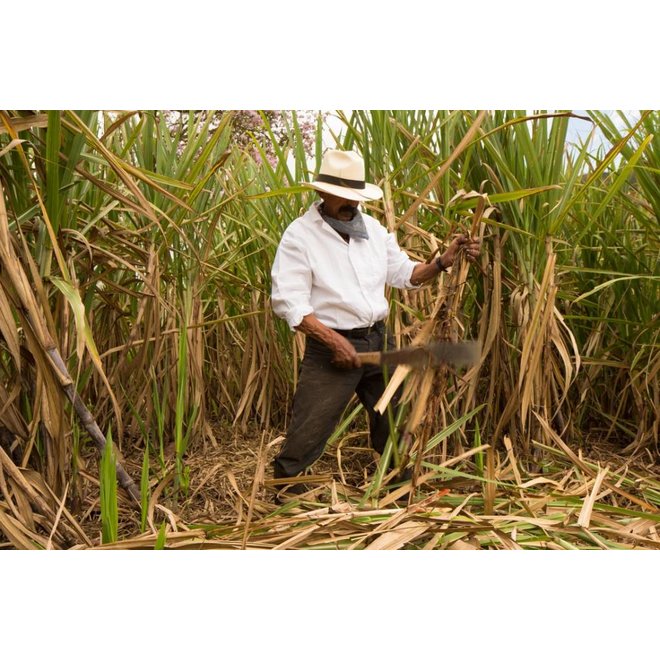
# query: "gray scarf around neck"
(354, 228)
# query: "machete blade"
(458, 354)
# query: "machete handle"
(370, 358)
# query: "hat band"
(347, 183)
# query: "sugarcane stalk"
(90, 424)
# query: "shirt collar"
(316, 217)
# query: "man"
(329, 278)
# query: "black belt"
(357, 333)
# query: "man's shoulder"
(374, 226)
(301, 223)
(299, 227)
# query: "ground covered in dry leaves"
(567, 500)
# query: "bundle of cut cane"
(441, 324)
(426, 388)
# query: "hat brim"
(368, 193)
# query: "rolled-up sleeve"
(399, 265)
(291, 282)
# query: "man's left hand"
(470, 246)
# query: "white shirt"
(343, 284)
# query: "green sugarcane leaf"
(289, 190)
(72, 296)
(162, 537)
(108, 494)
(603, 285)
(622, 177)
(144, 489)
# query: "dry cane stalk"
(39, 503)
(13, 270)
(444, 317)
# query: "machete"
(458, 354)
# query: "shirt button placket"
(353, 257)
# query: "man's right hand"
(344, 354)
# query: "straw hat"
(342, 174)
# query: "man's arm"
(425, 272)
(291, 278)
(344, 354)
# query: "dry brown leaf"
(397, 538)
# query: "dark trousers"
(323, 393)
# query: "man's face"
(338, 207)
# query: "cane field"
(145, 384)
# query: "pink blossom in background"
(250, 126)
